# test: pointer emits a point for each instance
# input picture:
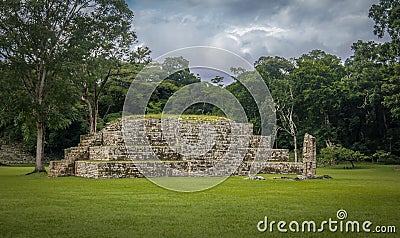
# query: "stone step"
(109, 144)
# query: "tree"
(386, 15)
(112, 101)
(110, 31)
(284, 104)
(366, 73)
(114, 56)
(173, 73)
(338, 154)
(245, 98)
(39, 40)
(182, 75)
(141, 55)
(391, 88)
(315, 85)
(218, 80)
(95, 75)
(276, 74)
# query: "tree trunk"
(90, 114)
(96, 114)
(41, 77)
(352, 163)
(39, 149)
(295, 148)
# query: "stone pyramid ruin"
(109, 154)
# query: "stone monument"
(309, 156)
(105, 154)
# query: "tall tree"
(386, 15)
(112, 100)
(38, 40)
(174, 73)
(362, 98)
(276, 74)
(182, 75)
(315, 77)
(245, 98)
(110, 58)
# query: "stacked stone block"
(113, 152)
(66, 167)
(309, 156)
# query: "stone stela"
(309, 156)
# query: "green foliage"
(316, 93)
(386, 15)
(110, 55)
(218, 80)
(161, 95)
(391, 89)
(336, 154)
(178, 73)
(246, 100)
(112, 117)
(384, 157)
(276, 72)
(371, 93)
(188, 117)
(57, 140)
(112, 98)
(49, 51)
(306, 94)
(79, 207)
(355, 104)
(173, 74)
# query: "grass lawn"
(36, 206)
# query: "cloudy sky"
(250, 28)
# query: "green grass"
(36, 206)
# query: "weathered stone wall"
(66, 167)
(272, 155)
(15, 154)
(107, 155)
(128, 169)
(167, 148)
(309, 156)
(271, 168)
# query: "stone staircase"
(121, 152)
(66, 167)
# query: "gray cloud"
(252, 29)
